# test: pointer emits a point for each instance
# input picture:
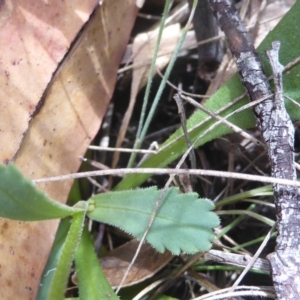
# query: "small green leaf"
(21, 200)
(56, 284)
(182, 223)
(92, 282)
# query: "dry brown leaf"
(142, 51)
(31, 47)
(271, 16)
(63, 122)
(146, 265)
(148, 262)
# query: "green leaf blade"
(182, 223)
(184, 216)
(56, 284)
(53, 261)
(21, 200)
(92, 282)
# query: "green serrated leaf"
(54, 288)
(92, 282)
(182, 223)
(21, 200)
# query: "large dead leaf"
(35, 36)
(45, 130)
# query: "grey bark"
(278, 134)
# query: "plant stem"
(137, 143)
(142, 132)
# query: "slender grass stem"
(143, 128)
(137, 143)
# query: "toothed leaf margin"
(183, 222)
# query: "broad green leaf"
(175, 146)
(21, 200)
(182, 223)
(92, 282)
(58, 276)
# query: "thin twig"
(244, 291)
(180, 90)
(128, 150)
(183, 124)
(158, 171)
(222, 109)
(224, 120)
(253, 259)
(238, 260)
